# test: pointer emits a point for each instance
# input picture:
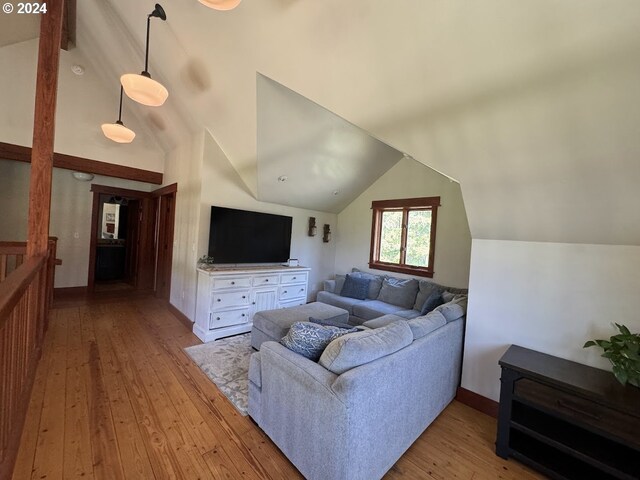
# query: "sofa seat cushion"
(310, 339)
(399, 291)
(370, 309)
(336, 300)
(382, 321)
(355, 349)
(424, 325)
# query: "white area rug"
(226, 363)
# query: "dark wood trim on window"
(405, 205)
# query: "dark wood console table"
(567, 420)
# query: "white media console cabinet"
(228, 298)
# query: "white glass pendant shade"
(221, 4)
(118, 132)
(143, 89)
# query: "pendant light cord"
(120, 110)
(146, 55)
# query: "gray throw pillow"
(339, 283)
(434, 300)
(375, 283)
(447, 296)
(425, 288)
(310, 340)
(331, 322)
(356, 349)
(399, 291)
(355, 287)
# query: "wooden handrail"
(12, 289)
(13, 248)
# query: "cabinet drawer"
(298, 277)
(229, 317)
(292, 291)
(222, 300)
(261, 280)
(231, 282)
(578, 409)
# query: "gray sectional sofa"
(387, 295)
(353, 414)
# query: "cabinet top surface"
(220, 270)
(593, 383)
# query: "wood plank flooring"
(116, 397)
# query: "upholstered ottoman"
(274, 324)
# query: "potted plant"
(205, 261)
(623, 351)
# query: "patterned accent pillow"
(355, 287)
(310, 339)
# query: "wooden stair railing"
(26, 293)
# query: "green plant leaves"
(623, 351)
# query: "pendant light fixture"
(220, 4)
(117, 131)
(142, 88)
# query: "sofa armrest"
(329, 286)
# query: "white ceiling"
(327, 161)
(532, 105)
(15, 28)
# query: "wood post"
(44, 129)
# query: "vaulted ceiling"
(532, 105)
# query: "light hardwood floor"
(115, 397)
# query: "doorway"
(131, 240)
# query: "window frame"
(405, 205)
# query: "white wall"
(409, 179)
(71, 203)
(550, 297)
(222, 186)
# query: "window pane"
(418, 238)
(390, 237)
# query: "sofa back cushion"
(310, 339)
(340, 279)
(355, 349)
(399, 291)
(424, 325)
(375, 282)
(355, 287)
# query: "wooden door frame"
(167, 191)
(97, 191)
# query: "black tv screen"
(239, 236)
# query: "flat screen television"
(240, 236)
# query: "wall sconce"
(312, 227)
(326, 236)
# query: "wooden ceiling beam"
(19, 153)
(68, 25)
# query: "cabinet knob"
(266, 280)
(217, 318)
(219, 300)
(253, 303)
(243, 315)
(244, 296)
(294, 278)
(302, 289)
(233, 283)
(284, 291)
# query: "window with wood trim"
(403, 235)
